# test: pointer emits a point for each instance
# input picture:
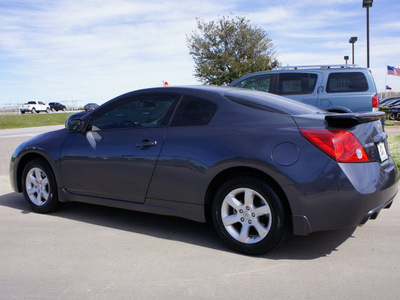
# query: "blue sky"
(79, 51)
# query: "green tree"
(229, 48)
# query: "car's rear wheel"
(249, 215)
(39, 186)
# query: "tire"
(64, 109)
(22, 112)
(39, 186)
(249, 216)
(33, 111)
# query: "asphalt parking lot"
(91, 252)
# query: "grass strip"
(32, 120)
(394, 148)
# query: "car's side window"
(346, 82)
(193, 111)
(258, 83)
(137, 111)
(296, 83)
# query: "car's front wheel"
(39, 186)
(249, 215)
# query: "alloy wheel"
(37, 186)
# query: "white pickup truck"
(34, 107)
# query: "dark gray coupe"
(255, 164)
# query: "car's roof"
(242, 96)
(333, 70)
(303, 70)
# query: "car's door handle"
(146, 144)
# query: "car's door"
(186, 153)
(115, 157)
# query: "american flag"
(393, 71)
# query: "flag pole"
(385, 81)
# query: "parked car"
(257, 165)
(386, 107)
(90, 106)
(392, 102)
(394, 113)
(34, 107)
(336, 88)
(56, 106)
(385, 100)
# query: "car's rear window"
(346, 82)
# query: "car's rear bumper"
(373, 213)
(348, 195)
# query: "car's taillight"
(341, 145)
(375, 103)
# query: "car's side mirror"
(74, 125)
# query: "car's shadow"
(294, 247)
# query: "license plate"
(382, 152)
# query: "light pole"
(352, 40)
(367, 4)
(346, 58)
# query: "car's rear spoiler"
(352, 119)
